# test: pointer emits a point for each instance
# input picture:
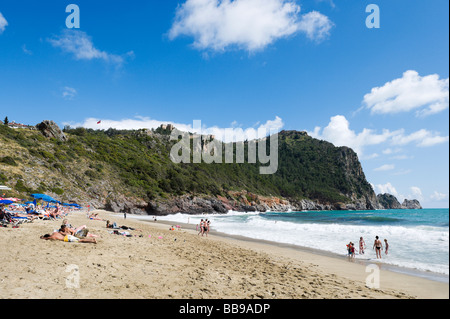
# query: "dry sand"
(181, 265)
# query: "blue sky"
(289, 64)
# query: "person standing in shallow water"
(362, 246)
(378, 246)
(386, 245)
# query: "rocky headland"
(130, 171)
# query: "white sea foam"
(424, 248)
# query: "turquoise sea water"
(418, 239)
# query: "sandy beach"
(158, 263)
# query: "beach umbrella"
(6, 202)
(44, 197)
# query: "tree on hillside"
(6, 121)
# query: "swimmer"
(377, 245)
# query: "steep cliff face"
(361, 193)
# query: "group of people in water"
(377, 245)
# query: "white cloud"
(386, 188)
(339, 133)
(386, 167)
(389, 151)
(426, 95)
(422, 138)
(416, 193)
(439, 196)
(315, 25)
(81, 46)
(3, 23)
(251, 25)
(69, 93)
(371, 156)
(225, 134)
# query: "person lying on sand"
(80, 232)
(114, 226)
(68, 238)
(94, 217)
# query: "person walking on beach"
(201, 227)
(362, 246)
(205, 228)
(386, 245)
(377, 245)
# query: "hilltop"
(122, 170)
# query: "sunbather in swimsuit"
(71, 239)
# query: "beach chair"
(9, 221)
(21, 220)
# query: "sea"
(418, 239)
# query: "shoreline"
(393, 268)
(157, 263)
(413, 281)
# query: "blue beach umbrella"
(6, 202)
(44, 197)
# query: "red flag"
(99, 122)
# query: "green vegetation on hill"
(137, 163)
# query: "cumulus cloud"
(251, 25)
(422, 138)
(386, 188)
(3, 23)
(426, 95)
(339, 133)
(80, 45)
(316, 26)
(233, 133)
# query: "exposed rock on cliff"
(411, 204)
(51, 130)
(388, 201)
